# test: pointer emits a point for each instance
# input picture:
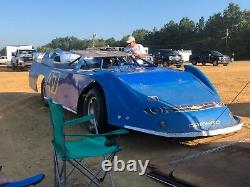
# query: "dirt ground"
(25, 135)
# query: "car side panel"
(71, 85)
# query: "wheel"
(43, 84)
(203, 63)
(215, 63)
(194, 62)
(94, 103)
(225, 64)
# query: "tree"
(111, 42)
(3, 52)
(140, 35)
(205, 34)
(123, 42)
(200, 25)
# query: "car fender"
(202, 77)
(37, 70)
(122, 101)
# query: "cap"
(130, 39)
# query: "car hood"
(170, 86)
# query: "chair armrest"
(81, 134)
(79, 120)
(112, 133)
(116, 132)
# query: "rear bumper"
(193, 134)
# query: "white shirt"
(138, 49)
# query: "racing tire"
(94, 103)
(194, 62)
(215, 63)
(43, 84)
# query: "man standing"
(136, 49)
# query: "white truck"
(22, 58)
(3, 59)
(12, 49)
(19, 56)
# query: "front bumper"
(203, 133)
(224, 61)
(25, 64)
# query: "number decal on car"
(53, 81)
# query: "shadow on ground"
(240, 109)
(4, 68)
(26, 133)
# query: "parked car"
(3, 59)
(211, 57)
(119, 91)
(167, 57)
(22, 58)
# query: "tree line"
(227, 31)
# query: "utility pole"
(226, 39)
(227, 35)
(93, 39)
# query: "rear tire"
(94, 103)
(43, 84)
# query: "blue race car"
(124, 92)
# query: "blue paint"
(126, 93)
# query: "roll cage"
(88, 59)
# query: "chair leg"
(85, 171)
(60, 172)
(111, 179)
(64, 174)
(56, 171)
(99, 170)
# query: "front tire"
(215, 63)
(94, 103)
(194, 62)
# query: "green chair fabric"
(78, 146)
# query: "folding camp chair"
(75, 151)
(31, 181)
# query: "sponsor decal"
(205, 123)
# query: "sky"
(37, 22)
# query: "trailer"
(10, 49)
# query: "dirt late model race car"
(121, 92)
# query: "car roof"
(100, 53)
